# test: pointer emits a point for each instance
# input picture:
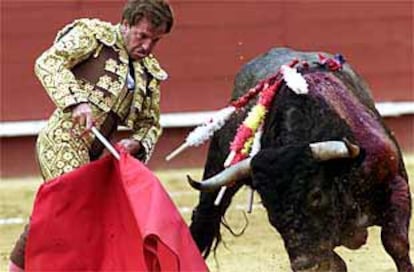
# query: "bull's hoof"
(333, 264)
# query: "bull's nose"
(304, 264)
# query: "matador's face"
(140, 39)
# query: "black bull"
(315, 204)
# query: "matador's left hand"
(131, 146)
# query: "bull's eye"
(316, 199)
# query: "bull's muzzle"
(233, 173)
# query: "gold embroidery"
(139, 70)
(67, 168)
(99, 94)
(105, 32)
(104, 82)
(138, 99)
(60, 164)
(122, 70)
(146, 109)
(88, 87)
(98, 51)
(58, 132)
(97, 98)
(67, 124)
(154, 85)
(67, 156)
(122, 106)
(108, 100)
(65, 137)
(115, 87)
(75, 43)
(49, 154)
(154, 68)
(109, 84)
(58, 155)
(111, 66)
(69, 100)
(123, 56)
(140, 84)
(74, 163)
(105, 36)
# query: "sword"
(106, 143)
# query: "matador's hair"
(158, 12)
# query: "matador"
(102, 75)
(119, 91)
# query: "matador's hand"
(82, 115)
(131, 146)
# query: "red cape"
(109, 215)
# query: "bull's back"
(345, 91)
(270, 62)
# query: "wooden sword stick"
(106, 143)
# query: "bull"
(328, 168)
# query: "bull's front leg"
(206, 219)
(394, 234)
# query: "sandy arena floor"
(259, 249)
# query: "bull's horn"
(329, 150)
(233, 173)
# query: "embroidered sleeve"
(146, 127)
(74, 44)
(154, 68)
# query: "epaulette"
(154, 68)
(103, 31)
(65, 30)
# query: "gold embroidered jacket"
(89, 63)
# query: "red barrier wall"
(212, 39)
(210, 42)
